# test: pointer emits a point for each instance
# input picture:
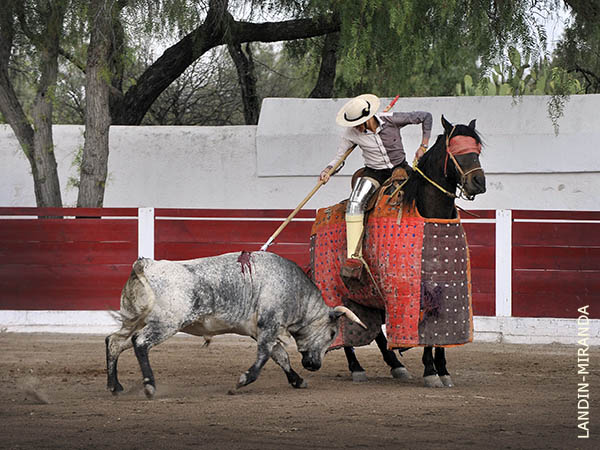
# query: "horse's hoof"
(447, 381)
(300, 384)
(149, 390)
(114, 390)
(359, 377)
(401, 373)
(433, 381)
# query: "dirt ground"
(53, 395)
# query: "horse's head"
(463, 146)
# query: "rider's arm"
(401, 119)
(345, 145)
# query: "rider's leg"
(363, 190)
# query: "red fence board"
(480, 234)
(554, 293)
(230, 213)
(68, 252)
(224, 231)
(556, 258)
(65, 230)
(70, 212)
(555, 215)
(70, 287)
(553, 305)
(484, 304)
(545, 234)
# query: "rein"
(462, 148)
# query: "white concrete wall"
(275, 164)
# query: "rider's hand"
(324, 176)
(420, 152)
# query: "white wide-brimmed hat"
(358, 110)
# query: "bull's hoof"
(149, 390)
(300, 384)
(433, 381)
(401, 373)
(243, 381)
(447, 381)
(359, 377)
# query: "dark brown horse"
(451, 165)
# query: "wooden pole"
(303, 202)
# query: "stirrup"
(353, 273)
(352, 268)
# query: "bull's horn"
(350, 315)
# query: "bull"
(260, 295)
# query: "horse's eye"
(332, 334)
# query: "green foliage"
(519, 78)
(579, 50)
(424, 47)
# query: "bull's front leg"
(280, 356)
(265, 342)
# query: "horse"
(430, 190)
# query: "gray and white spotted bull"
(259, 294)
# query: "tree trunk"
(247, 79)
(325, 82)
(98, 76)
(215, 31)
(36, 141)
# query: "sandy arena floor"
(53, 395)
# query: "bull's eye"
(332, 334)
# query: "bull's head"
(314, 340)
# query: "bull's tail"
(137, 300)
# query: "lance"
(303, 202)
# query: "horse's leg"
(397, 368)
(430, 376)
(358, 373)
(440, 366)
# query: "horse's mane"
(433, 162)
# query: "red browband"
(459, 145)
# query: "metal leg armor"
(363, 190)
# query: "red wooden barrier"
(481, 240)
(556, 264)
(83, 263)
(65, 264)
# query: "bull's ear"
(472, 124)
(447, 125)
(335, 315)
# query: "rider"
(378, 135)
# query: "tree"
(43, 27)
(579, 50)
(102, 71)
(388, 47)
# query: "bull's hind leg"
(149, 336)
(115, 344)
(397, 369)
(430, 375)
(280, 356)
(440, 366)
